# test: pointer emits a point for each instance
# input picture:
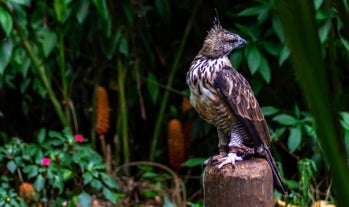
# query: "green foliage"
(54, 53)
(298, 124)
(321, 100)
(8, 195)
(59, 166)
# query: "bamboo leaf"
(264, 69)
(254, 59)
(285, 119)
(295, 138)
(82, 11)
(6, 47)
(153, 87)
(269, 110)
(6, 21)
(22, 2)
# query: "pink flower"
(79, 138)
(45, 161)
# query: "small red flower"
(45, 161)
(79, 138)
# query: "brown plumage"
(224, 98)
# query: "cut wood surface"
(249, 184)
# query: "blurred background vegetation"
(114, 71)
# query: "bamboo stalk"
(160, 118)
(123, 111)
(39, 68)
(307, 59)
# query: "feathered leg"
(230, 147)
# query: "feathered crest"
(216, 22)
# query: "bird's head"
(220, 42)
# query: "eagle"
(225, 99)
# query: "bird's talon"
(220, 161)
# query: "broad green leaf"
(164, 9)
(6, 21)
(264, 70)
(109, 49)
(272, 48)
(123, 46)
(82, 12)
(11, 166)
(108, 180)
(324, 30)
(345, 43)
(85, 199)
(294, 139)
(21, 60)
(252, 11)
(102, 8)
(48, 40)
(150, 175)
(57, 182)
(297, 111)
(285, 119)
(153, 87)
(111, 196)
(24, 86)
(284, 54)
(253, 59)
(54, 134)
(168, 203)
(67, 174)
(6, 47)
(269, 110)
(318, 4)
(250, 31)
(39, 182)
(345, 120)
(96, 184)
(31, 171)
(41, 135)
(276, 24)
(194, 162)
(22, 2)
(87, 177)
(61, 9)
(149, 193)
(292, 184)
(129, 13)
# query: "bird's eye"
(231, 42)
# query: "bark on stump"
(249, 184)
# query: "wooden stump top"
(249, 184)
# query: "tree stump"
(249, 184)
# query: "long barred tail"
(279, 185)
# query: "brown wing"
(239, 95)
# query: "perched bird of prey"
(224, 98)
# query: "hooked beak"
(241, 42)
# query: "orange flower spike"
(27, 191)
(176, 143)
(102, 112)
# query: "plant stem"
(39, 68)
(123, 110)
(175, 65)
(62, 63)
